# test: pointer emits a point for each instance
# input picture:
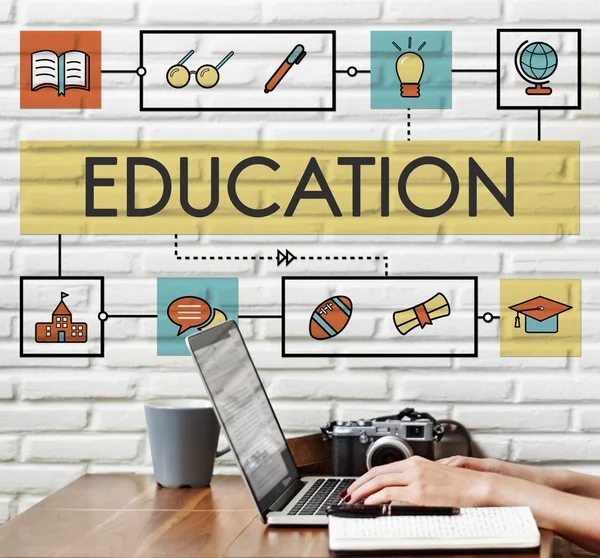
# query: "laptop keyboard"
(322, 494)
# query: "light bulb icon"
(409, 68)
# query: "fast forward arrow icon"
(286, 258)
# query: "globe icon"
(536, 62)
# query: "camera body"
(357, 446)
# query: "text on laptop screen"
(244, 410)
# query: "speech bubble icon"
(188, 312)
(218, 317)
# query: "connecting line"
(352, 71)
(488, 317)
(319, 258)
(225, 258)
(120, 71)
(241, 316)
(281, 258)
(215, 258)
(345, 258)
(132, 316)
(474, 70)
(408, 124)
(539, 125)
(259, 317)
(60, 255)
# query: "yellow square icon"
(540, 317)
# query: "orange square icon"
(61, 69)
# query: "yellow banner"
(299, 187)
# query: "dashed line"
(408, 124)
(350, 258)
(342, 257)
(271, 258)
(213, 258)
(225, 258)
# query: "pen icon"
(295, 57)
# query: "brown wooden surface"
(129, 516)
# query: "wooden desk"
(129, 516)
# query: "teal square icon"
(188, 305)
(411, 69)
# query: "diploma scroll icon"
(422, 314)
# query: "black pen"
(365, 511)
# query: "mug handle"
(222, 452)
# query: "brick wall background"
(63, 417)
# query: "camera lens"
(383, 456)
(388, 449)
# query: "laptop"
(255, 436)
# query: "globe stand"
(538, 89)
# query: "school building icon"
(61, 329)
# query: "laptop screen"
(244, 410)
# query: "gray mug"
(184, 435)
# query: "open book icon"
(70, 70)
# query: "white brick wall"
(60, 418)
(5, 508)
(9, 448)
(81, 447)
(74, 386)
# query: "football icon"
(330, 317)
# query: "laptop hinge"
(287, 495)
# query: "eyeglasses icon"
(207, 76)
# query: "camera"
(357, 446)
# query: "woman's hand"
(422, 482)
(547, 477)
(489, 465)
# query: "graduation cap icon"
(541, 314)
